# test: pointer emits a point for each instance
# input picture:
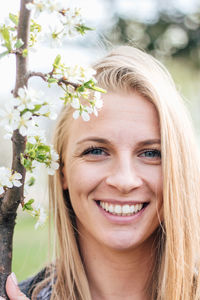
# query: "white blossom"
(49, 6)
(34, 133)
(28, 98)
(55, 5)
(85, 116)
(98, 103)
(35, 165)
(15, 179)
(36, 7)
(98, 100)
(75, 103)
(84, 112)
(79, 74)
(76, 114)
(40, 214)
(25, 123)
(8, 179)
(22, 112)
(48, 109)
(54, 35)
(54, 165)
(10, 116)
(53, 39)
(71, 19)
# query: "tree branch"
(12, 198)
(37, 74)
(45, 75)
(62, 80)
(15, 195)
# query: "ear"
(64, 179)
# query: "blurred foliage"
(172, 34)
(31, 247)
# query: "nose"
(124, 176)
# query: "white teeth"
(121, 210)
(117, 209)
(125, 209)
(111, 208)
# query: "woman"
(127, 225)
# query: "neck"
(114, 274)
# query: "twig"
(37, 74)
(62, 80)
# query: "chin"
(122, 241)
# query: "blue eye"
(151, 154)
(94, 151)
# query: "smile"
(121, 210)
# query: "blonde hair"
(176, 275)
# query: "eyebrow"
(105, 141)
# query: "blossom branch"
(66, 82)
(14, 196)
(37, 74)
(44, 76)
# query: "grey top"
(27, 286)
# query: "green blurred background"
(31, 247)
(169, 30)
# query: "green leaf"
(30, 201)
(25, 52)
(26, 163)
(98, 89)
(3, 54)
(37, 107)
(91, 85)
(57, 61)
(82, 28)
(52, 80)
(28, 205)
(35, 26)
(6, 36)
(44, 148)
(29, 146)
(40, 157)
(81, 88)
(31, 182)
(19, 44)
(14, 18)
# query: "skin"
(13, 290)
(121, 167)
(124, 166)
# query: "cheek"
(83, 178)
(154, 177)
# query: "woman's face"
(112, 169)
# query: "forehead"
(124, 116)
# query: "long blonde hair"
(177, 272)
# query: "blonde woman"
(126, 200)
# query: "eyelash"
(154, 151)
(92, 149)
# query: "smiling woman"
(109, 157)
(126, 197)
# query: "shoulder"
(27, 286)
